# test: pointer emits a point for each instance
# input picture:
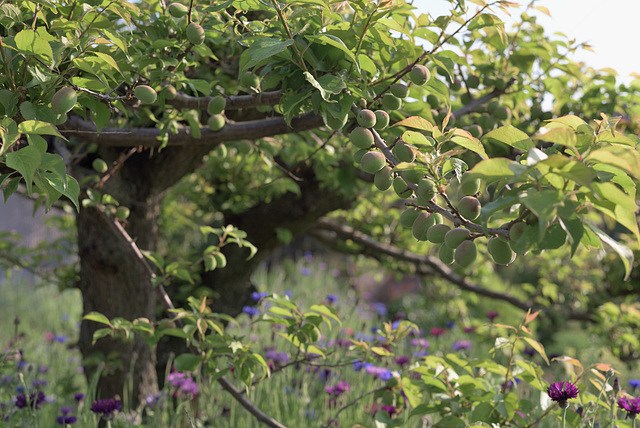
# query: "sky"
(611, 27)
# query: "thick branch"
(429, 265)
(149, 137)
(235, 102)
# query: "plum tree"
(366, 118)
(216, 105)
(282, 157)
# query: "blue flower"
(251, 311)
(305, 271)
(256, 296)
(381, 309)
(634, 383)
(106, 406)
(386, 375)
(331, 298)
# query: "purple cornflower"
(459, 345)
(386, 375)
(39, 383)
(154, 400)
(331, 298)
(381, 309)
(66, 417)
(61, 338)
(183, 384)
(106, 406)
(451, 324)
(338, 389)
(561, 392)
(256, 296)
(470, 329)
(492, 315)
(422, 343)
(631, 406)
(251, 311)
(529, 351)
(33, 400)
(359, 365)
(634, 383)
(78, 396)
(403, 360)
(390, 410)
(305, 271)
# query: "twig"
(351, 403)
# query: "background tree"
(244, 110)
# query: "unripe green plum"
(100, 165)
(487, 123)
(473, 82)
(475, 131)
(455, 237)
(400, 90)
(492, 106)
(170, 93)
(501, 84)
(243, 147)
(420, 226)
(433, 101)
(419, 74)
(178, 10)
(61, 118)
(403, 152)
(469, 207)
(412, 176)
(446, 255)
(438, 219)
(466, 254)
(382, 120)
(401, 188)
(361, 138)
(216, 105)
(500, 251)
(470, 186)
(357, 156)
(516, 231)
(437, 232)
(391, 102)
(221, 260)
(427, 189)
(366, 118)
(64, 100)
(456, 85)
(216, 122)
(146, 94)
(122, 213)
(383, 178)
(250, 80)
(488, 81)
(502, 113)
(408, 216)
(195, 33)
(373, 162)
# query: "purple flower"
(634, 383)
(451, 324)
(43, 369)
(288, 293)
(305, 271)
(381, 309)
(561, 392)
(308, 256)
(153, 400)
(78, 396)
(255, 296)
(337, 389)
(470, 329)
(529, 351)
(66, 419)
(459, 345)
(422, 343)
(403, 360)
(39, 383)
(183, 384)
(106, 406)
(631, 406)
(33, 400)
(492, 315)
(437, 332)
(386, 375)
(359, 365)
(251, 311)
(331, 298)
(390, 410)
(61, 338)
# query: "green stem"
(289, 34)
(564, 417)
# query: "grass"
(296, 396)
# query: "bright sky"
(611, 27)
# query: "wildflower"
(61, 338)
(631, 406)
(78, 396)
(256, 296)
(492, 315)
(437, 332)
(634, 383)
(154, 400)
(338, 389)
(381, 309)
(308, 256)
(390, 410)
(305, 271)
(422, 343)
(451, 324)
(386, 375)
(616, 386)
(49, 336)
(470, 329)
(529, 351)
(66, 417)
(288, 293)
(359, 365)
(39, 383)
(561, 392)
(43, 369)
(183, 384)
(106, 406)
(459, 345)
(403, 360)
(33, 400)
(331, 298)
(251, 311)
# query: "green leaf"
(538, 347)
(25, 161)
(562, 136)
(327, 85)
(510, 136)
(543, 204)
(571, 121)
(38, 127)
(11, 188)
(28, 43)
(464, 139)
(97, 317)
(574, 228)
(492, 170)
(623, 158)
(331, 40)
(260, 50)
(416, 122)
(187, 362)
(626, 255)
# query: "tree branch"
(428, 265)
(149, 137)
(235, 102)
